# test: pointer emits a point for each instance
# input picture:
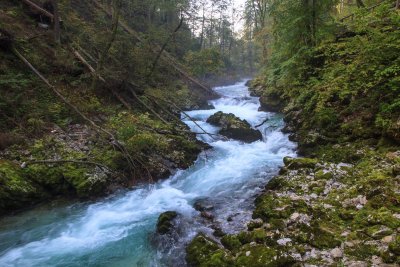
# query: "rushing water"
(119, 231)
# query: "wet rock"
(165, 222)
(203, 205)
(218, 232)
(203, 251)
(207, 215)
(271, 103)
(235, 128)
(253, 224)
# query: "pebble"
(248, 253)
(336, 253)
(387, 239)
(284, 241)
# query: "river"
(120, 230)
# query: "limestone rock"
(235, 128)
(336, 253)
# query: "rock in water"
(164, 223)
(203, 205)
(235, 128)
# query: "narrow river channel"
(120, 230)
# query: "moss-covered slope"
(47, 149)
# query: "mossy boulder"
(16, 190)
(204, 252)
(231, 242)
(298, 163)
(165, 222)
(235, 128)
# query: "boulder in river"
(235, 128)
(165, 222)
(203, 204)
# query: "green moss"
(362, 251)
(298, 163)
(164, 222)
(15, 189)
(394, 246)
(318, 237)
(256, 256)
(323, 175)
(204, 252)
(276, 183)
(231, 242)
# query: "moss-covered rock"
(298, 163)
(16, 190)
(204, 252)
(235, 128)
(165, 222)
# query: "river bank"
(121, 229)
(337, 206)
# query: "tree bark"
(104, 54)
(165, 45)
(56, 22)
(38, 8)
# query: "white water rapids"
(119, 231)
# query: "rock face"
(164, 223)
(235, 128)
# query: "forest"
(200, 133)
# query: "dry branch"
(187, 115)
(99, 129)
(39, 9)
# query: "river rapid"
(120, 230)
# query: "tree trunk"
(106, 50)
(56, 22)
(202, 30)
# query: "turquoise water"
(120, 230)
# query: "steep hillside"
(81, 130)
